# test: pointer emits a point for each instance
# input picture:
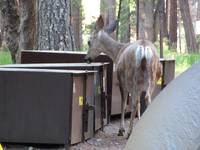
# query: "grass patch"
(183, 61)
(5, 58)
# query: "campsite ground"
(105, 139)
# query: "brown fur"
(133, 78)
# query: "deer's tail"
(143, 56)
(143, 64)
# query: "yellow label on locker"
(80, 99)
(99, 90)
(1, 148)
(159, 81)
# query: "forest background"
(173, 25)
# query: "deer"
(137, 65)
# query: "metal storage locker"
(39, 106)
(101, 109)
(82, 108)
(35, 56)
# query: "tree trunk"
(179, 42)
(53, 25)
(198, 10)
(161, 18)
(1, 29)
(160, 9)
(156, 24)
(188, 27)
(111, 11)
(125, 21)
(104, 10)
(173, 24)
(10, 20)
(165, 19)
(27, 24)
(198, 20)
(108, 10)
(76, 22)
(167, 13)
(146, 19)
(193, 11)
(118, 19)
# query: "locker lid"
(45, 70)
(53, 65)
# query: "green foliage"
(198, 41)
(87, 30)
(1, 3)
(127, 18)
(104, 6)
(76, 3)
(183, 61)
(5, 58)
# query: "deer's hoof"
(128, 135)
(121, 132)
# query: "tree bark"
(53, 25)
(1, 29)
(198, 10)
(111, 11)
(125, 22)
(27, 24)
(10, 20)
(165, 19)
(118, 18)
(188, 26)
(173, 24)
(146, 19)
(76, 22)
(160, 9)
(179, 34)
(161, 18)
(108, 10)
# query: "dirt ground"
(106, 139)
(103, 140)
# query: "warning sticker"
(159, 82)
(1, 148)
(99, 90)
(80, 99)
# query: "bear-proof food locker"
(41, 56)
(46, 106)
(101, 109)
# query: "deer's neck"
(109, 46)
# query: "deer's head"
(94, 42)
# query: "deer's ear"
(99, 23)
(111, 28)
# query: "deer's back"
(129, 66)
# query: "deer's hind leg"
(135, 99)
(138, 109)
(124, 96)
(149, 93)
